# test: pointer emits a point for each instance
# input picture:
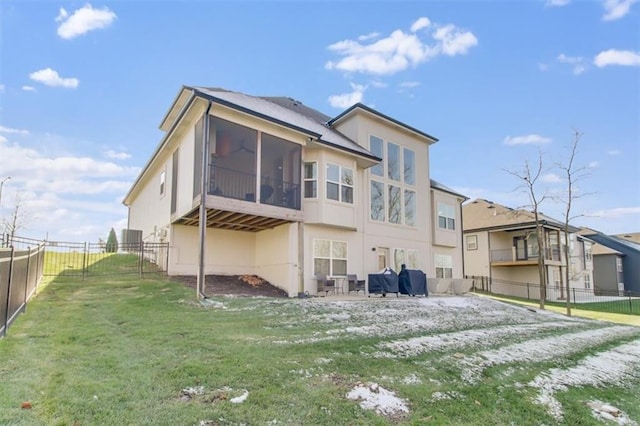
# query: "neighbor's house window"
(163, 182)
(556, 278)
(444, 266)
(587, 281)
(446, 216)
(339, 183)
(587, 253)
(619, 264)
(472, 242)
(391, 189)
(310, 180)
(329, 257)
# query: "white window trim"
(340, 183)
(330, 258)
(311, 179)
(386, 181)
(446, 216)
(163, 182)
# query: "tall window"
(377, 149)
(409, 166)
(444, 266)
(310, 180)
(163, 182)
(472, 242)
(393, 161)
(329, 257)
(377, 201)
(446, 216)
(392, 192)
(339, 183)
(587, 281)
(619, 264)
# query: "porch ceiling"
(235, 221)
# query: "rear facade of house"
(290, 194)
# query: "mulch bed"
(235, 285)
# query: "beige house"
(501, 246)
(290, 193)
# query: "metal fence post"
(26, 281)
(84, 261)
(527, 291)
(141, 258)
(6, 313)
(574, 295)
(630, 304)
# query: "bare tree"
(572, 176)
(19, 218)
(529, 179)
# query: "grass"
(78, 263)
(577, 310)
(119, 350)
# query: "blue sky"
(85, 85)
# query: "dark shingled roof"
(287, 112)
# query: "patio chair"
(355, 284)
(325, 284)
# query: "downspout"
(462, 242)
(202, 222)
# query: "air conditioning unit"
(131, 239)
(162, 233)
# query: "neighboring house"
(501, 244)
(291, 193)
(617, 263)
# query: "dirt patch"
(234, 285)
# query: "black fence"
(623, 302)
(20, 274)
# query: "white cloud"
(345, 100)
(616, 9)
(576, 61)
(83, 20)
(593, 165)
(1, 88)
(14, 131)
(28, 88)
(409, 84)
(616, 212)
(421, 23)
(455, 41)
(399, 50)
(551, 178)
(526, 140)
(117, 155)
(614, 152)
(378, 84)
(543, 67)
(369, 36)
(3, 139)
(557, 3)
(51, 78)
(617, 57)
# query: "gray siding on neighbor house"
(605, 273)
(630, 260)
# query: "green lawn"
(121, 350)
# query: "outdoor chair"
(325, 284)
(355, 284)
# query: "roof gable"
(481, 214)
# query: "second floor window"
(339, 183)
(163, 182)
(446, 216)
(310, 180)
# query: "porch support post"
(300, 259)
(202, 222)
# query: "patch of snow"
(323, 360)
(193, 390)
(241, 398)
(543, 349)
(604, 411)
(440, 396)
(611, 367)
(374, 397)
(411, 379)
(482, 336)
